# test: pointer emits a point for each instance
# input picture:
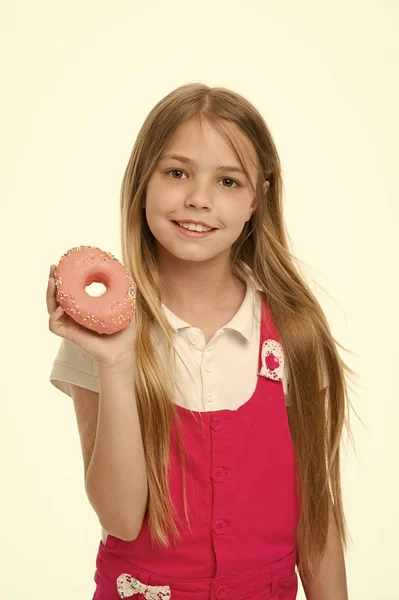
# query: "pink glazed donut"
(83, 265)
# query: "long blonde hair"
(260, 255)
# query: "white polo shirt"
(219, 375)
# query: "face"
(197, 205)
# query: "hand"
(114, 351)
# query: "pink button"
(218, 474)
(221, 592)
(217, 424)
(220, 527)
(272, 362)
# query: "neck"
(199, 286)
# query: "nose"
(199, 198)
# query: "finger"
(51, 291)
(55, 324)
(50, 296)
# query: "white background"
(78, 79)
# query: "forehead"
(205, 145)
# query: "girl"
(211, 426)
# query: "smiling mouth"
(193, 230)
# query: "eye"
(175, 171)
(224, 178)
(233, 180)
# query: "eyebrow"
(189, 161)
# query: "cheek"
(160, 202)
(159, 206)
(237, 217)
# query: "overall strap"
(271, 353)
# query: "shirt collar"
(243, 321)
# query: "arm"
(329, 583)
(114, 462)
(116, 478)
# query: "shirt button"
(208, 367)
(221, 592)
(194, 340)
(220, 527)
(217, 424)
(218, 474)
(209, 396)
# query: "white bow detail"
(129, 586)
(272, 360)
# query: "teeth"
(194, 227)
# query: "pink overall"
(244, 509)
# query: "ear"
(266, 185)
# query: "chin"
(176, 251)
(190, 256)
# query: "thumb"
(56, 326)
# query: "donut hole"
(95, 289)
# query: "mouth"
(193, 233)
